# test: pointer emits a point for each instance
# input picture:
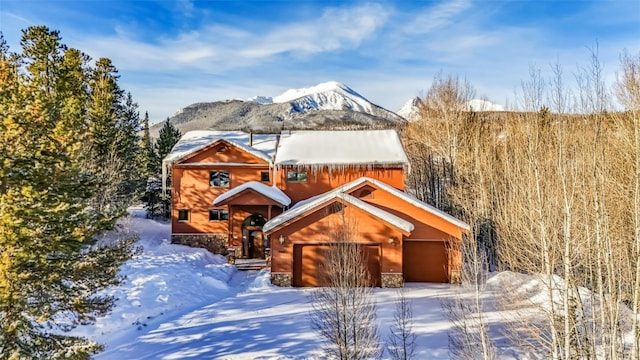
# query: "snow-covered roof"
(327, 197)
(263, 145)
(358, 147)
(406, 197)
(271, 192)
(308, 204)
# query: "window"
(183, 215)
(219, 179)
(218, 215)
(264, 176)
(296, 176)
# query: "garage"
(425, 261)
(308, 273)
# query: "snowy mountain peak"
(484, 105)
(410, 109)
(326, 87)
(330, 95)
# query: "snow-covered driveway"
(179, 302)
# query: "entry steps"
(250, 264)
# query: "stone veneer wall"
(281, 279)
(456, 277)
(216, 243)
(394, 280)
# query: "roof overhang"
(300, 211)
(270, 193)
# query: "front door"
(253, 242)
(252, 239)
(256, 239)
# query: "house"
(285, 195)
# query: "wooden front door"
(253, 242)
(258, 244)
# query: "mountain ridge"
(329, 105)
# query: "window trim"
(220, 211)
(268, 173)
(306, 176)
(220, 171)
(188, 212)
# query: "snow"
(179, 302)
(330, 95)
(308, 204)
(484, 105)
(410, 109)
(262, 100)
(369, 147)
(271, 192)
(318, 201)
(263, 145)
(413, 201)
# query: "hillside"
(330, 105)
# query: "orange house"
(283, 196)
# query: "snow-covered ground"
(179, 302)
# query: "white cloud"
(219, 48)
(436, 17)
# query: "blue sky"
(174, 53)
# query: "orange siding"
(239, 213)
(191, 188)
(324, 180)
(427, 225)
(318, 227)
(231, 154)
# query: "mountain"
(484, 105)
(329, 105)
(410, 110)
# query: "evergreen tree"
(127, 148)
(169, 136)
(147, 163)
(104, 109)
(50, 271)
(147, 158)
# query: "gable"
(327, 203)
(222, 151)
(320, 224)
(428, 224)
(253, 193)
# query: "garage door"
(425, 261)
(306, 260)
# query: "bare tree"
(402, 339)
(344, 311)
(469, 337)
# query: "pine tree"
(169, 136)
(147, 158)
(127, 148)
(147, 163)
(49, 271)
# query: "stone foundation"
(392, 280)
(456, 277)
(281, 279)
(216, 243)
